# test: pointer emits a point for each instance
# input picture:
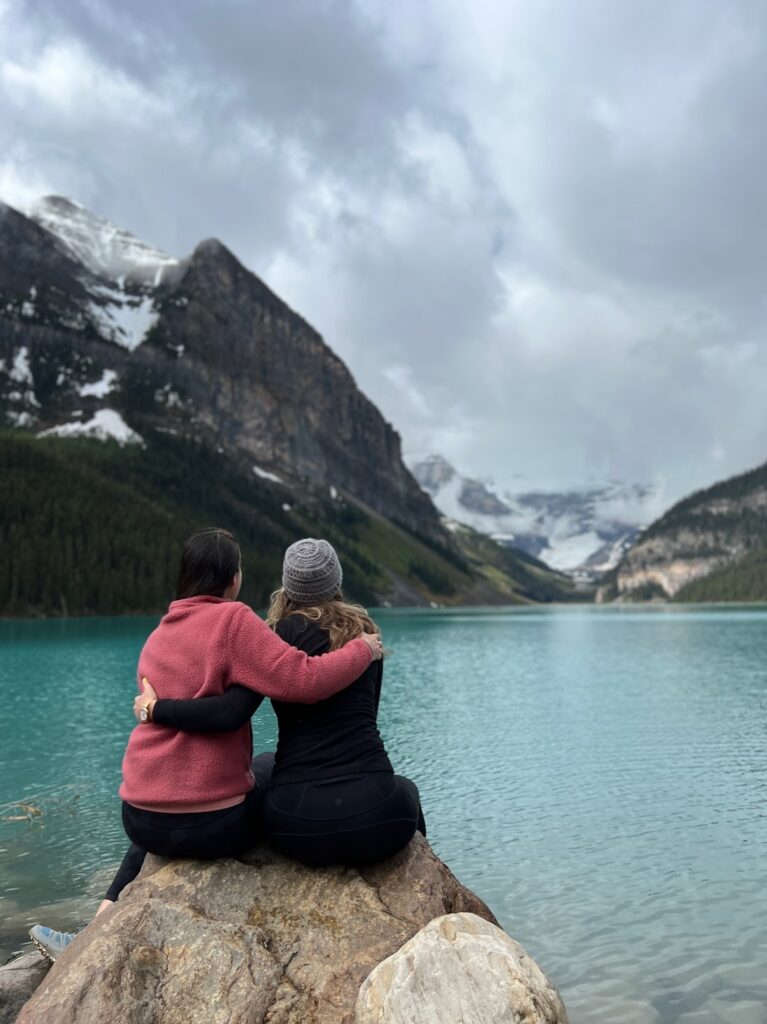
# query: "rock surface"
(459, 969)
(263, 940)
(18, 980)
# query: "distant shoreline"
(527, 607)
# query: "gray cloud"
(535, 231)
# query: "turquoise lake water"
(597, 775)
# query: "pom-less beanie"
(311, 572)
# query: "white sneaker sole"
(41, 948)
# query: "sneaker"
(50, 943)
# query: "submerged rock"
(459, 969)
(18, 980)
(263, 939)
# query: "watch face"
(144, 715)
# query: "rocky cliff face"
(664, 565)
(98, 328)
(710, 530)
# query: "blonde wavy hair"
(342, 621)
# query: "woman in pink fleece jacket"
(198, 794)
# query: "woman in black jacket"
(333, 796)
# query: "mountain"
(582, 532)
(142, 389)
(200, 346)
(712, 546)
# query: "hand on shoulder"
(373, 640)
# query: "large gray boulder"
(264, 940)
(18, 980)
(459, 969)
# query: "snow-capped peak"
(573, 529)
(103, 247)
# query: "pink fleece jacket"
(201, 646)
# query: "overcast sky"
(535, 230)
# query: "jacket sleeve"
(222, 713)
(260, 660)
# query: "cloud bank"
(533, 230)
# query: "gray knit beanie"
(311, 572)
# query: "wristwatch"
(145, 715)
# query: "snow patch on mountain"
(21, 371)
(20, 374)
(266, 475)
(19, 418)
(121, 317)
(564, 551)
(106, 249)
(168, 397)
(106, 425)
(99, 388)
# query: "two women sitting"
(190, 787)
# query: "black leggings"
(360, 819)
(355, 820)
(206, 834)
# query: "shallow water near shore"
(597, 775)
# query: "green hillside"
(744, 580)
(87, 527)
(518, 575)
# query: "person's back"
(333, 796)
(185, 657)
(336, 737)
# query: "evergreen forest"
(89, 527)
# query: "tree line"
(88, 527)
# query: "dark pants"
(206, 834)
(355, 820)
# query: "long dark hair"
(209, 562)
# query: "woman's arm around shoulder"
(222, 713)
(262, 661)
